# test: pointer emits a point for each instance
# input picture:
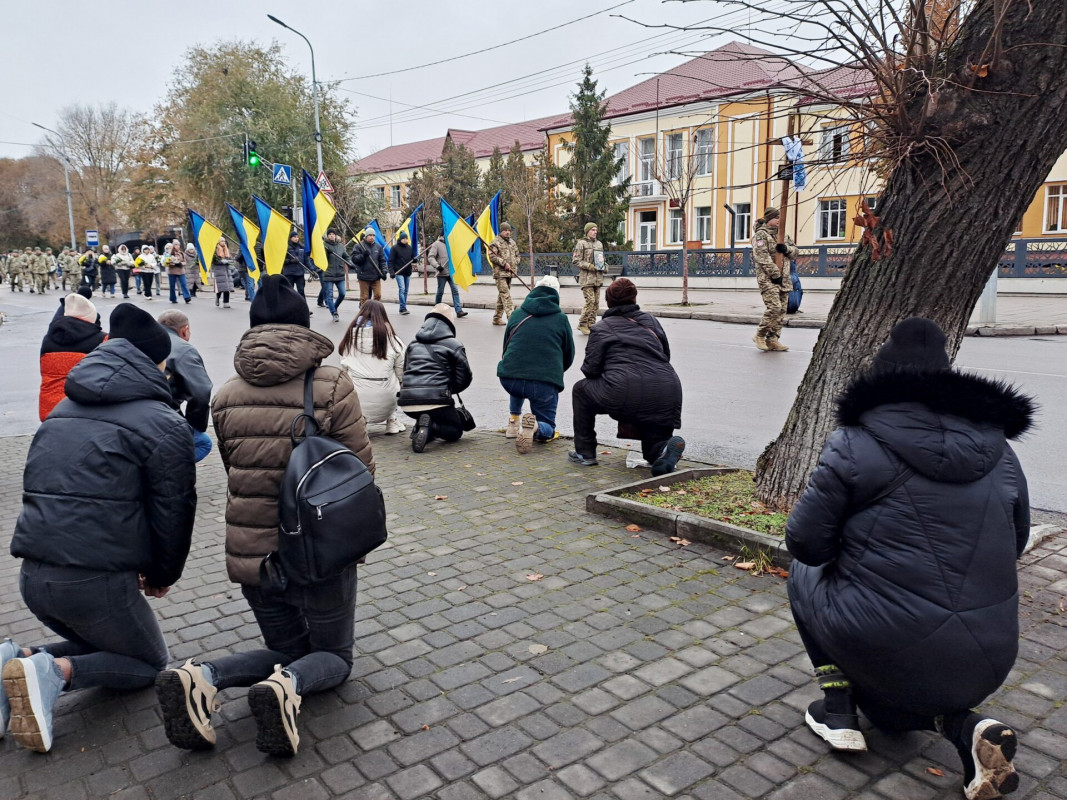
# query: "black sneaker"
(578, 458)
(840, 731)
(668, 459)
(987, 755)
(461, 313)
(420, 434)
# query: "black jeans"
(147, 278)
(111, 635)
(308, 629)
(585, 407)
(445, 423)
(298, 283)
(124, 281)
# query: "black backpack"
(331, 514)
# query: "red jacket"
(67, 342)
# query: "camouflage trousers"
(15, 277)
(776, 301)
(40, 281)
(504, 305)
(592, 304)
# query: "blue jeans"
(402, 283)
(327, 293)
(112, 637)
(201, 445)
(543, 397)
(175, 281)
(308, 629)
(442, 282)
(250, 287)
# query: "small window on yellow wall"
(1056, 208)
(830, 222)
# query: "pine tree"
(591, 172)
(461, 182)
(494, 181)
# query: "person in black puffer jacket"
(107, 512)
(629, 377)
(904, 587)
(435, 368)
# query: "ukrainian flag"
(275, 229)
(372, 226)
(476, 250)
(460, 237)
(488, 224)
(247, 236)
(410, 226)
(205, 237)
(318, 214)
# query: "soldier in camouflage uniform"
(39, 269)
(504, 256)
(18, 269)
(773, 282)
(53, 279)
(72, 270)
(588, 258)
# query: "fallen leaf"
(534, 576)
(605, 452)
(633, 528)
(426, 727)
(681, 541)
(537, 649)
(745, 564)
(636, 536)
(665, 488)
(440, 497)
(431, 574)
(935, 771)
(461, 588)
(729, 558)
(467, 466)
(681, 491)
(516, 483)
(781, 573)
(511, 680)
(480, 474)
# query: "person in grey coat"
(188, 379)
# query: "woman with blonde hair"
(374, 356)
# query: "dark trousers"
(298, 283)
(147, 279)
(124, 281)
(442, 282)
(308, 630)
(445, 423)
(586, 407)
(110, 633)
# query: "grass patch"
(730, 497)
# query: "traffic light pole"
(314, 88)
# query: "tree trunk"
(949, 228)
(529, 241)
(685, 255)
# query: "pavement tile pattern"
(634, 668)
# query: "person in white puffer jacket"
(374, 356)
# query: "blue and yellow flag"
(372, 226)
(206, 238)
(488, 224)
(247, 236)
(275, 228)
(476, 249)
(410, 226)
(460, 237)
(318, 214)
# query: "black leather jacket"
(435, 365)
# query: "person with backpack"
(904, 588)
(307, 629)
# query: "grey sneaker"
(585, 461)
(32, 685)
(275, 705)
(187, 699)
(8, 651)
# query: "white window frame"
(395, 197)
(704, 145)
(1055, 196)
(675, 228)
(379, 193)
(646, 167)
(653, 225)
(832, 213)
(673, 144)
(742, 222)
(703, 222)
(835, 143)
(622, 150)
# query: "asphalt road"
(735, 397)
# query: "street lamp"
(66, 178)
(314, 88)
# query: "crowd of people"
(904, 589)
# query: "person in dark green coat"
(538, 349)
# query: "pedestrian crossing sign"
(283, 174)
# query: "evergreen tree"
(591, 171)
(461, 181)
(495, 181)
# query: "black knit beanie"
(277, 302)
(136, 325)
(915, 344)
(86, 292)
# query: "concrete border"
(681, 523)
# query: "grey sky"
(59, 52)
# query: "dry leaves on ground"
(935, 771)
(665, 489)
(516, 483)
(537, 649)
(431, 574)
(680, 541)
(633, 528)
(534, 576)
(440, 497)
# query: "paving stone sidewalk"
(635, 668)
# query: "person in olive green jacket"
(588, 258)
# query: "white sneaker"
(187, 699)
(275, 704)
(393, 425)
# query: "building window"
(674, 155)
(872, 204)
(703, 154)
(379, 194)
(646, 230)
(704, 223)
(674, 227)
(831, 219)
(742, 222)
(622, 150)
(394, 197)
(646, 158)
(834, 144)
(1056, 208)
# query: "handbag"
(465, 416)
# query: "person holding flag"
(333, 279)
(369, 260)
(437, 257)
(400, 258)
(504, 256)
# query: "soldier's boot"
(761, 343)
(776, 346)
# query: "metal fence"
(1023, 258)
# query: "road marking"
(1015, 371)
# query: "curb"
(682, 523)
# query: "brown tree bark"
(949, 224)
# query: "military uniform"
(72, 271)
(39, 270)
(504, 256)
(50, 260)
(19, 269)
(588, 257)
(773, 284)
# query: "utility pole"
(66, 179)
(314, 88)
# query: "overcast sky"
(59, 52)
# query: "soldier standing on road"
(504, 256)
(72, 271)
(17, 268)
(39, 268)
(50, 260)
(773, 282)
(588, 258)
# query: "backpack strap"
(514, 330)
(902, 477)
(311, 425)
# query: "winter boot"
(986, 748)
(512, 430)
(761, 343)
(527, 429)
(668, 459)
(776, 346)
(420, 434)
(834, 718)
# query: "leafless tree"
(676, 173)
(527, 186)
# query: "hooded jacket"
(435, 365)
(67, 342)
(335, 261)
(914, 594)
(189, 381)
(538, 341)
(109, 480)
(400, 257)
(369, 261)
(252, 413)
(628, 367)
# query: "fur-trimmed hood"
(949, 426)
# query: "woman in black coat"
(904, 587)
(629, 377)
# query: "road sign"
(283, 174)
(324, 183)
(92, 238)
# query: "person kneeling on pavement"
(107, 514)
(904, 588)
(435, 369)
(629, 377)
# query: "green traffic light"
(253, 160)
